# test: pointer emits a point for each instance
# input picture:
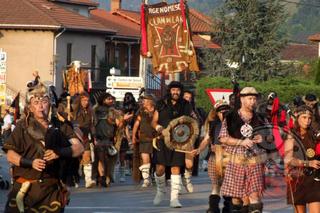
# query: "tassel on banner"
(144, 42)
(186, 27)
(183, 14)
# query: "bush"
(317, 75)
(286, 88)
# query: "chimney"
(115, 5)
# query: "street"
(128, 197)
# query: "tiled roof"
(79, 2)
(15, 13)
(43, 14)
(202, 43)
(315, 37)
(299, 52)
(123, 27)
(128, 14)
(199, 22)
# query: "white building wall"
(27, 51)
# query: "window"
(117, 56)
(93, 61)
(108, 54)
(93, 56)
(69, 53)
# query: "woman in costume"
(301, 164)
(213, 126)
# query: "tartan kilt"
(212, 170)
(242, 180)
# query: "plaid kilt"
(212, 170)
(242, 180)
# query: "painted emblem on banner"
(169, 38)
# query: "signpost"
(218, 94)
(119, 93)
(118, 86)
(124, 82)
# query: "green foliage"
(248, 31)
(305, 21)
(286, 88)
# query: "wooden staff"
(68, 108)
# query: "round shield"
(181, 133)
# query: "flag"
(15, 105)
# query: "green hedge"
(286, 88)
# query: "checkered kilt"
(242, 180)
(212, 170)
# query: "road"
(128, 197)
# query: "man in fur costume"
(238, 133)
(145, 136)
(83, 118)
(105, 126)
(171, 107)
(34, 148)
(75, 79)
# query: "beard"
(175, 96)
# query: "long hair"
(297, 126)
(212, 115)
(102, 97)
(129, 103)
(78, 107)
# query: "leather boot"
(227, 204)
(214, 204)
(255, 208)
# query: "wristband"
(25, 163)
(198, 151)
(65, 152)
(305, 163)
(158, 128)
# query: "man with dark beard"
(171, 107)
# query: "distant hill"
(205, 6)
(303, 15)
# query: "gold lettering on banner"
(166, 20)
(165, 9)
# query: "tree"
(248, 31)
